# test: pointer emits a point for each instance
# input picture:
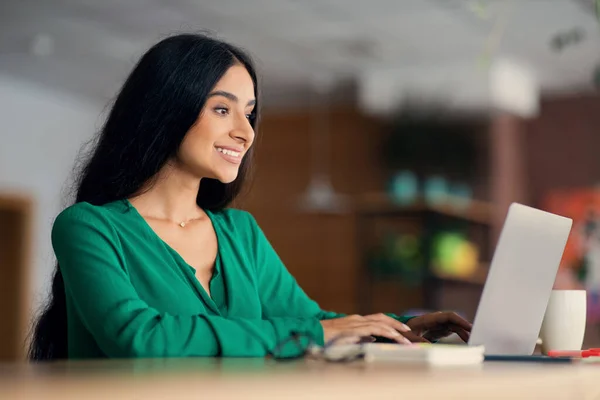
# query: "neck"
(171, 197)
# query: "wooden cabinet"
(15, 265)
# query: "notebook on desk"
(418, 353)
(430, 354)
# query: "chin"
(226, 181)
(226, 178)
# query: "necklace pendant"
(182, 224)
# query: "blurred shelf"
(477, 278)
(373, 204)
(372, 208)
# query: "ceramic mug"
(563, 327)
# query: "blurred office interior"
(395, 134)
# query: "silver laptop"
(520, 280)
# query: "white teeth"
(229, 152)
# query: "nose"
(243, 132)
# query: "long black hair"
(159, 102)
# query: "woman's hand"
(439, 324)
(357, 326)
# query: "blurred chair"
(15, 261)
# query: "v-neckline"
(217, 270)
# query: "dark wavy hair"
(159, 102)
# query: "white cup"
(563, 327)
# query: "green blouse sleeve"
(123, 325)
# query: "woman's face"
(222, 135)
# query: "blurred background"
(395, 135)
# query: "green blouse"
(129, 294)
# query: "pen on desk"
(575, 353)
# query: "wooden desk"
(258, 379)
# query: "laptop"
(520, 281)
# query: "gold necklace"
(184, 223)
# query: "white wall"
(41, 133)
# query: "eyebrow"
(230, 96)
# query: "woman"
(151, 262)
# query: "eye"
(251, 116)
(222, 110)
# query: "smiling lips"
(230, 155)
